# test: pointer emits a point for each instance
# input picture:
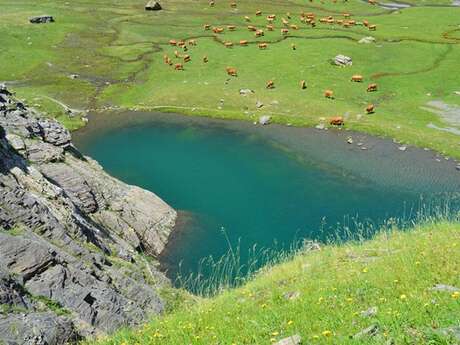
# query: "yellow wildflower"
(275, 333)
(365, 270)
(290, 322)
(326, 333)
(403, 297)
(456, 295)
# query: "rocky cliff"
(76, 245)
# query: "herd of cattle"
(309, 19)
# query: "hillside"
(399, 288)
(104, 56)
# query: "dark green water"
(266, 186)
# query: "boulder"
(265, 120)
(368, 332)
(42, 19)
(342, 60)
(245, 92)
(153, 6)
(367, 40)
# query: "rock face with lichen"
(72, 238)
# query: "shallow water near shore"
(233, 182)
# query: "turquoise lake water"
(269, 185)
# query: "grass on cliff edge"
(393, 273)
(116, 48)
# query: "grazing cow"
(263, 45)
(173, 42)
(218, 30)
(259, 33)
(303, 84)
(211, 3)
(205, 59)
(323, 20)
(341, 21)
(207, 26)
(231, 27)
(259, 13)
(372, 87)
(372, 27)
(243, 43)
(165, 58)
(352, 22)
(270, 84)
(331, 21)
(231, 71)
(176, 54)
(346, 15)
(285, 21)
(284, 31)
(246, 18)
(365, 23)
(187, 58)
(357, 78)
(271, 17)
(329, 94)
(270, 27)
(336, 121)
(252, 28)
(228, 44)
(372, 2)
(370, 109)
(192, 42)
(233, 5)
(294, 27)
(179, 67)
(181, 44)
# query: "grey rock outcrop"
(72, 238)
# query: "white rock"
(264, 120)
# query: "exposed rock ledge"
(71, 237)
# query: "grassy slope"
(117, 49)
(393, 272)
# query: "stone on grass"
(153, 6)
(445, 288)
(259, 104)
(291, 295)
(293, 340)
(370, 312)
(370, 331)
(42, 19)
(265, 120)
(342, 60)
(453, 332)
(367, 40)
(244, 92)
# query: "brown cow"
(294, 27)
(270, 84)
(231, 27)
(187, 58)
(259, 13)
(336, 121)
(357, 78)
(207, 26)
(284, 31)
(329, 94)
(192, 42)
(252, 28)
(271, 16)
(179, 67)
(285, 21)
(173, 42)
(243, 43)
(372, 87)
(176, 54)
(181, 44)
(263, 45)
(259, 33)
(246, 18)
(233, 5)
(303, 84)
(205, 59)
(370, 109)
(372, 27)
(365, 23)
(347, 15)
(231, 71)
(211, 3)
(228, 44)
(218, 30)
(270, 27)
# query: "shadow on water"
(249, 194)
